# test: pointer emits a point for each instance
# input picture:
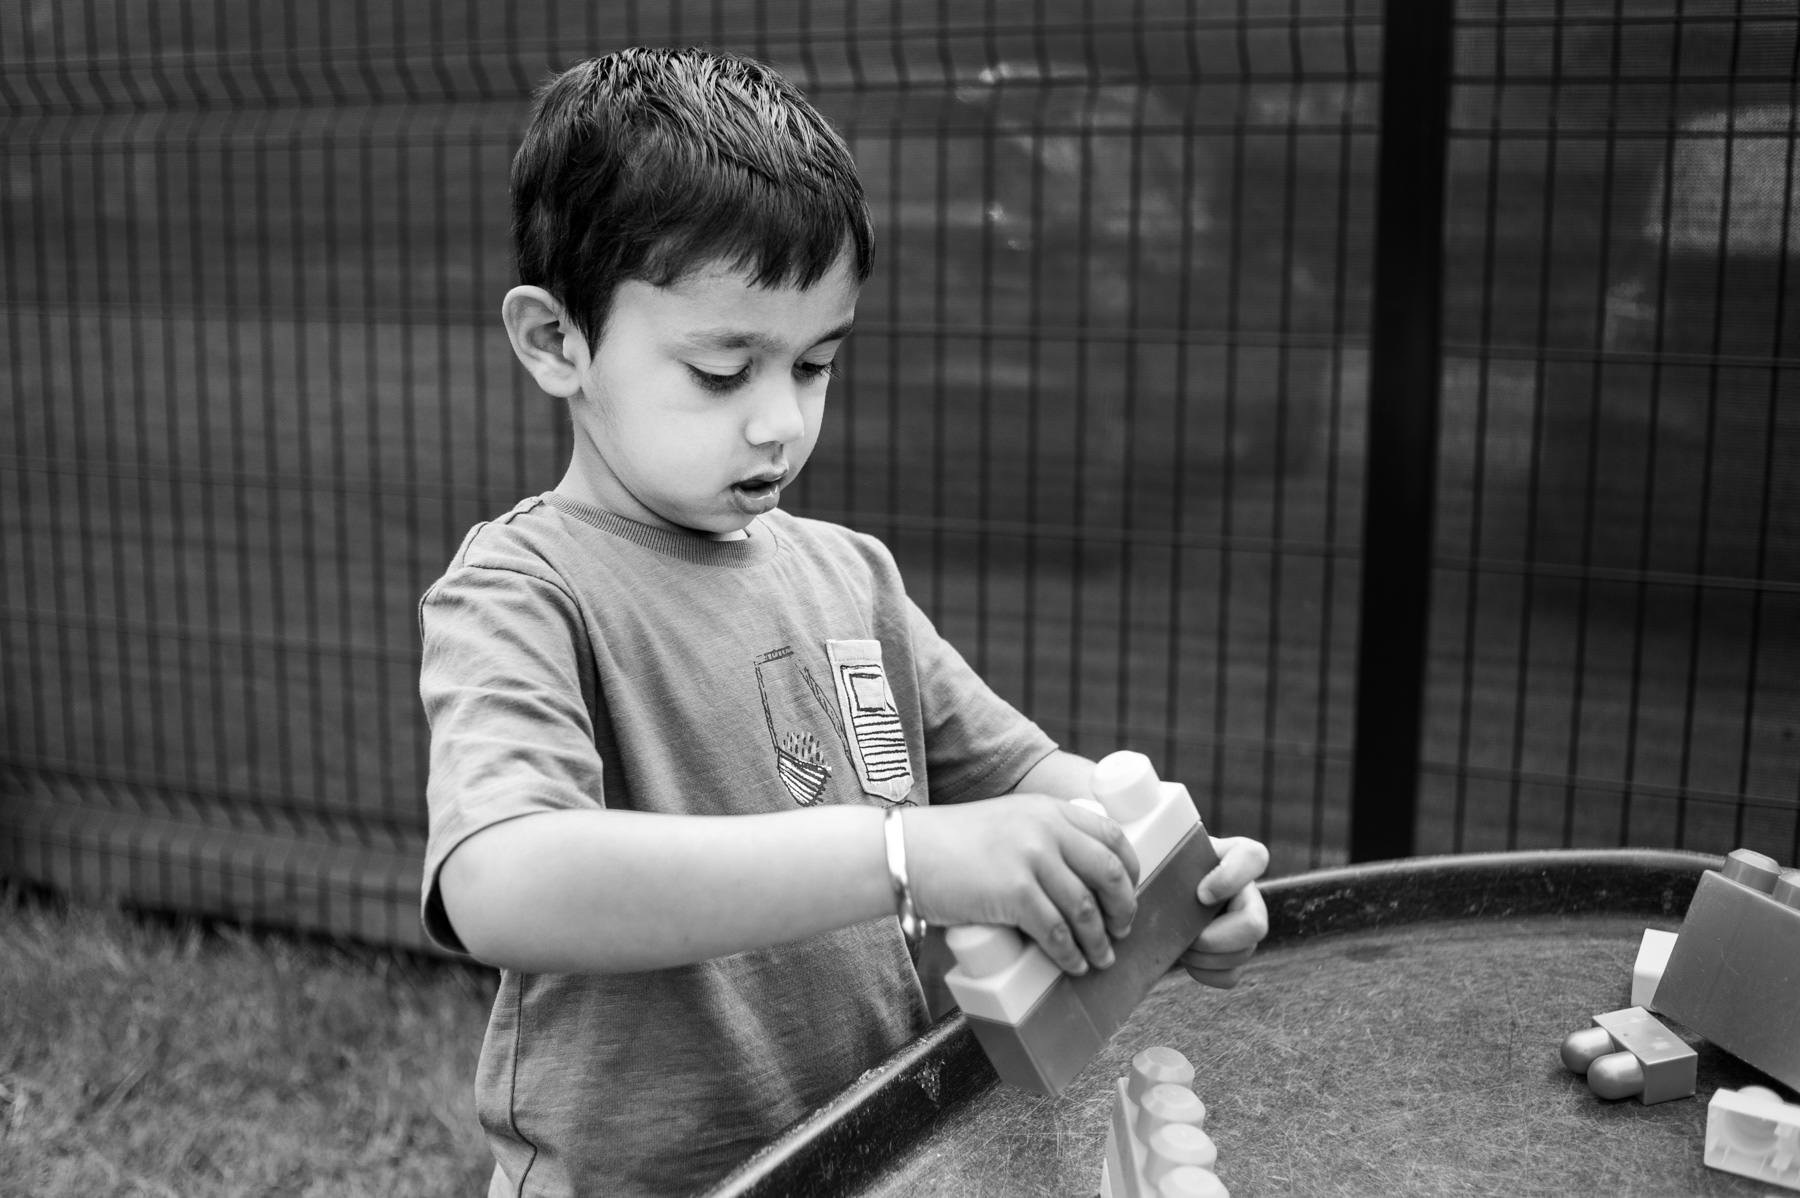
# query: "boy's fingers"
(1203, 959)
(1079, 909)
(1091, 818)
(1107, 869)
(1084, 918)
(1216, 969)
(1241, 862)
(1054, 934)
(1240, 927)
(1106, 862)
(1089, 891)
(1218, 979)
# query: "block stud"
(1175, 1146)
(1753, 869)
(1158, 1066)
(1169, 1105)
(1616, 1075)
(1787, 890)
(1126, 784)
(1189, 1182)
(1581, 1049)
(984, 949)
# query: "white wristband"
(895, 833)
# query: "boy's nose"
(776, 416)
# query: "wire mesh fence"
(1617, 552)
(1106, 402)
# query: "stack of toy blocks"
(1040, 1026)
(1734, 972)
(1156, 1145)
(1753, 1133)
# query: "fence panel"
(1618, 549)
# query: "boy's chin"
(729, 534)
(724, 528)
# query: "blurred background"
(1108, 401)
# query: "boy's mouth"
(759, 492)
(761, 484)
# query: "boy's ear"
(552, 349)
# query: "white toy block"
(1753, 1133)
(1156, 1145)
(1652, 959)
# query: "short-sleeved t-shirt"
(576, 660)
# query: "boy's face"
(703, 399)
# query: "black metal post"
(1404, 357)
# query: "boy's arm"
(590, 891)
(615, 891)
(1063, 775)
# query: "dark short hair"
(650, 163)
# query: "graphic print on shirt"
(877, 741)
(793, 703)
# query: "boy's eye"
(711, 381)
(719, 382)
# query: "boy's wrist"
(894, 832)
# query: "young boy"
(673, 727)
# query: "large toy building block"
(1647, 970)
(1630, 1052)
(1734, 974)
(1040, 1026)
(1156, 1145)
(1753, 1133)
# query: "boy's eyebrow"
(728, 338)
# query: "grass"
(142, 1055)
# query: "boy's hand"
(1060, 873)
(1231, 938)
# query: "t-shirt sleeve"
(977, 745)
(506, 687)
